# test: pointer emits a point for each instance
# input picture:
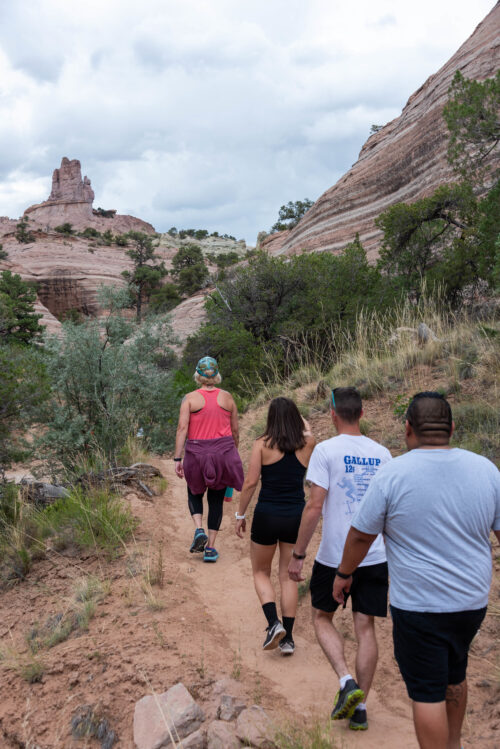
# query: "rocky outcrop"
(68, 185)
(404, 161)
(208, 245)
(70, 201)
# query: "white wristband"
(238, 516)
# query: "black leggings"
(215, 499)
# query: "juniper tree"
(147, 272)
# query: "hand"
(295, 570)
(179, 469)
(240, 528)
(340, 587)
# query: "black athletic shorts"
(432, 649)
(268, 529)
(368, 590)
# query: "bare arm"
(182, 430)
(497, 534)
(310, 517)
(234, 423)
(251, 481)
(356, 548)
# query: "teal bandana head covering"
(207, 367)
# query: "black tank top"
(282, 489)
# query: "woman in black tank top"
(279, 458)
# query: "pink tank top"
(211, 421)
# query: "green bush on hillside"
(108, 377)
(264, 315)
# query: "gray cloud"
(207, 115)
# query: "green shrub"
(90, 233)
(165, 298)
(65, 228)
(104, 388)
(22, 234)
(94, 518)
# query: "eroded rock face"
(70, 201)
(68, 185)
(404, 161)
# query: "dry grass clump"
(317, 736)
(79, 610)
(20, 535)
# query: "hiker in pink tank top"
(208, 433)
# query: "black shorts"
(432, 649)
(268, 529)
(368, 590)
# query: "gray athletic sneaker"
(274, 633)
(287, 646)
(358, 720)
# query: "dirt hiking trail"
(304, 682)
(203, 626)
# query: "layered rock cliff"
(404, 161)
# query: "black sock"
(270, 612)
(288, 622)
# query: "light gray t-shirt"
(436, 509)
(344, 466)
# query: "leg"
(431, 724)
(456, 702)
(195, 504)
(215, 498)
(330, 640)
(367, 653)
(289, 588)
(262, 557)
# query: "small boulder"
(160, 719)
(196, 740)
(425, 334)
(220, 735)
(254, 728)
(229, 708)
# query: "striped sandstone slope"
(404, 161)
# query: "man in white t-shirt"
(340, 471)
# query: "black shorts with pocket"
(432, 649)
(268, 529)
(368, 590)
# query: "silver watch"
(238, 516)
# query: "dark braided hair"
(429, 413)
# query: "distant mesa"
(71, 201)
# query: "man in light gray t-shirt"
(436, 507)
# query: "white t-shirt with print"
(345, 465)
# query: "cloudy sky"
(208, 113)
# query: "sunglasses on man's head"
(333, 399)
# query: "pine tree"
(18, 320)
(147, 273)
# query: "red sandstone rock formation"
(70, 201)
(404, 161)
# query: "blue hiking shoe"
(200, 540)
(210, 555)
